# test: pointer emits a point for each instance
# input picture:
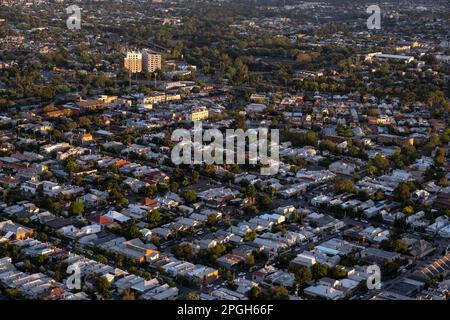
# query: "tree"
(327, 145)
(439, 159)
(250, 261)
(311, 138)
(363, 195)
(302, 275)
(338, 272)
(371, 169)
(162, 188)
(389, 269)
(402, 192)
(183, 250)
(76, 208)
(279, 293)
(173, 186)
(251, 191)
(254, 293)
(118, 198)
(103, 286)
(250, 236)
(151, 190)
(385, 245)
(27, 265)
(128, 294)
(47, 93)
(381, 162)
(344, 186)
(13, 294)
(71, 165)
(192, 296)
(131, 232)
(400, 246)
(211, 220)
(251, 210)
(153, 216)
(189, 195)
(195, 177)
(43, 237)
(265, 202)
(408, 210)
(319, 270)
(102, 259)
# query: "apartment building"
(199, 114)
(133, 61)
(151, 61)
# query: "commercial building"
(199, 114)
(151, 61)
(133, 61)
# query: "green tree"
(265, 202)
(250, 261)
(132, 232)
(400, 246)
(279, 293)
(162, 188)
(192, 296)
(128, 294)
(439, 159)
(302, 275)
(382, 163)
(189, 195)
(76, 208)
(13, 294)
(173, 186)
(402, 192)
(102, 259)
(71, 165)
(319, 270)
(103, 286)
(344, 186)
(338, 272)
(195, 177)
(254, 293)
(153, 216)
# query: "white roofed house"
(134, 184)
(91, 200)
(254, 108)
(30, 186)
(146, 233)
(324, 291)
(271, 247)
(306, 259)
(13, 231)
(344, 167)
(188, 222)
(51, 188)
(116, 216)
(135, 211)
(164, 233)
(217, 197)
